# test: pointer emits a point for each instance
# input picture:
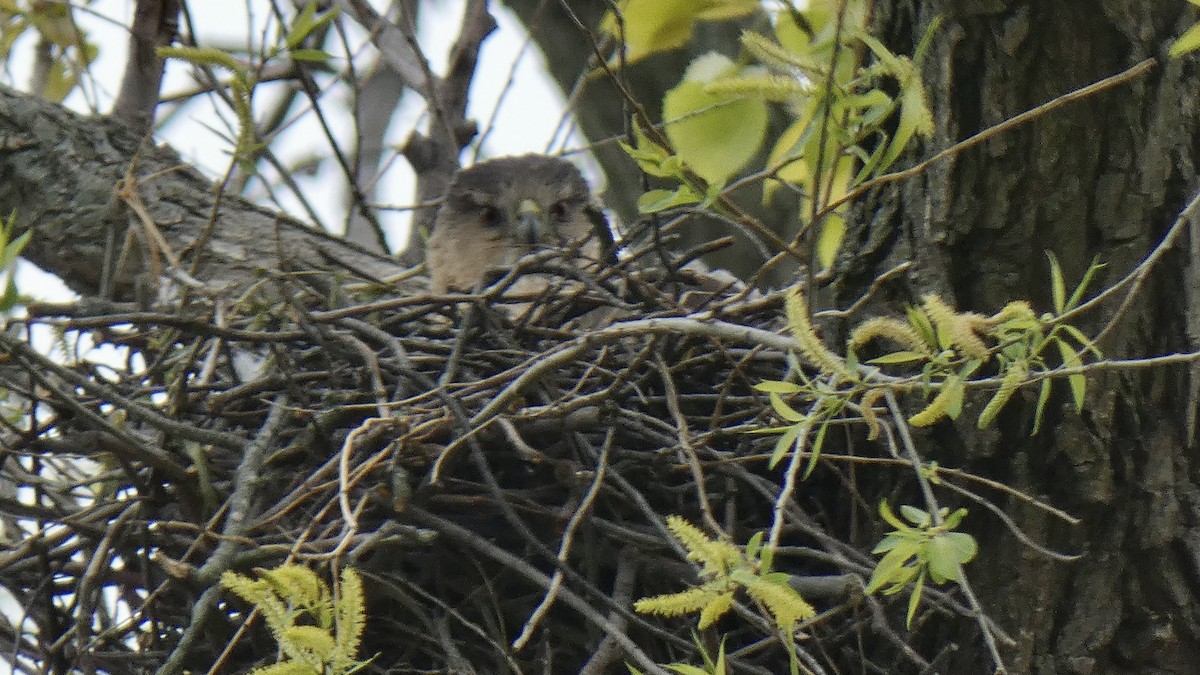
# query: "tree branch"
(61, 178)
(155, 24)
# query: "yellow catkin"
(773, 55)
(806, 337)
(962, 336)
(1017, 309)
(866, 406)
(770, 87)
(937, 408)
(889, 329)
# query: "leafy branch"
(918, 551)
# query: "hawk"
(499, 210)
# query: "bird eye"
(558, 210)
(490, 216)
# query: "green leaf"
(1077, 294)
(785, 159)
(922, 324)
(714, 10)
(1058, 287)
(901, 578)
(889, 569)
(685, 669)
(14, 249)
(784, 445)
(305, 23)
(1043, 398)
(785, 411)
(754, 546)
(650, 26)
(916, 516)
(1188, 42)
(914, 600)
(310, 55)
(814, 452)
(964, 545)
(651, 157)
(1082, 339)
(833, 233)
(957, 388)
(900, 357)
(888, 543)
(767, 558)
(778, 387)
(942, 558)
(715, 134)
(11, 295)
(915, 118)
(951, 521)
(657, 200)
(1077, 381)
(885, 512)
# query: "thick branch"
(155, 23)
(62, 174)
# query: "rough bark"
(1105, 178)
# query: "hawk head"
(498, 210)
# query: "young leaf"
(786, 412)
(1077, 294)
(885, 512)
(898, 358)
(778, 387)
(915, 118)
(914, 600)
(1043, 398)
(1077, 381)
(786, 443)
(685, 669)
(916, 516)
(715, 134)
(943, 560)
(657, 200)
(964, 545)
(1058, 288)
(833, 232)
(889, 568)
(814, 452)
(1188, 42)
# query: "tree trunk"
(1104, 177)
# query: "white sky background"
(526, 120)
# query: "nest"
(496, 476)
